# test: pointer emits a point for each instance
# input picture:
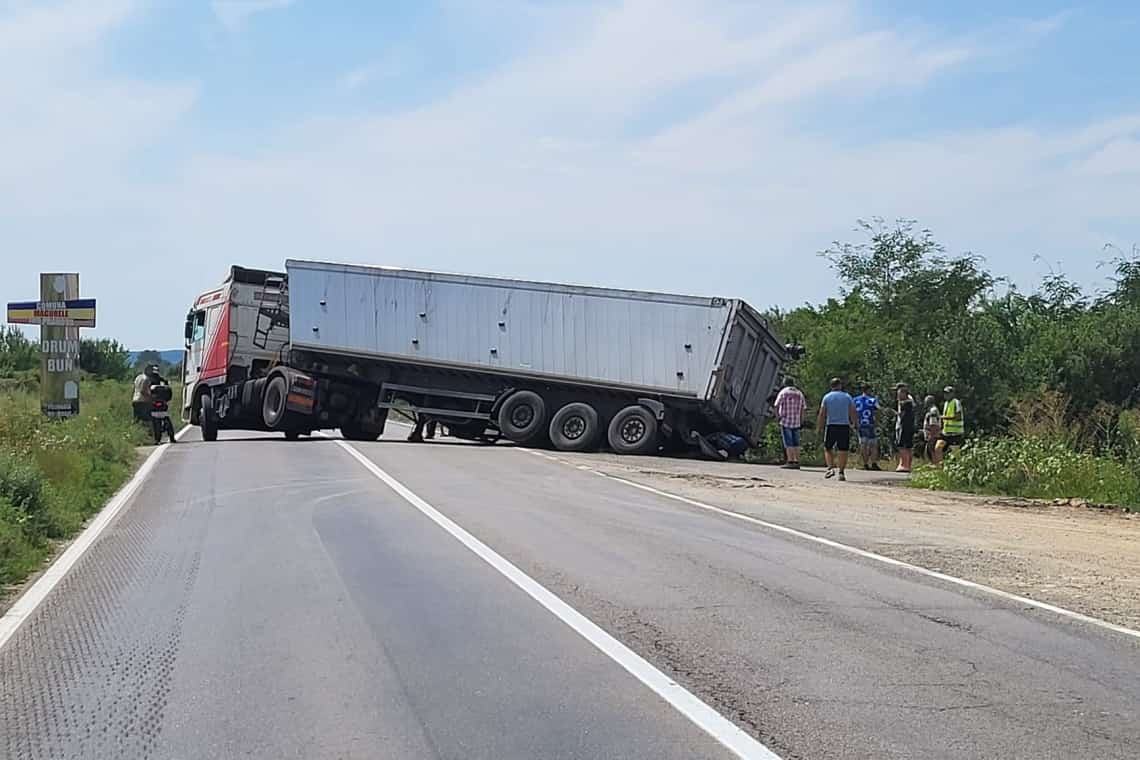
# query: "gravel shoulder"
(1085, 559)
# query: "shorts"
(953, 440)
(837, 437)
(791, 437)
(868, 436)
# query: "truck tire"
(522, 417)
(575, 427)
(207, 420)
(354, 431)
(273, 403)
(634, 430)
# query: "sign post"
(59, 312)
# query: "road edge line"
(34, 596)
(1008, 596)
(700, 714)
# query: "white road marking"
(704, 717)
(34, 596)
(851, 549)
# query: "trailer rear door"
(749, 373)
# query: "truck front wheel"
(207, 419)
(634, 430)
(522, 417)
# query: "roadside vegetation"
(55, 474)
(1050, 378)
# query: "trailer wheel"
(574, 427)
(207, 420)
(522, 416)
(634, 430)
(273, 403)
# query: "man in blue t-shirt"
(836, 418)
(867, 407)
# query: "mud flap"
(302, 398)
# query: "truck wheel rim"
(574, 428)
(522, 415)
(274, 401)
(633, 430)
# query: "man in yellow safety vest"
(953, 420)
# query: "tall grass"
(56, 474)
(1051, 454)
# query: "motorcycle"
(160, 412)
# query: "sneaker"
(795, 465)
(842, 475)
(830, 473)
(788, 466)
(876, 466)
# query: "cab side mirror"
(188, 332)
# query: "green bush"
(1034, 467)
(56, 474)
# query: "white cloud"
(234, 13)
(646, 144)
(394, 63)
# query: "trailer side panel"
(584, 335)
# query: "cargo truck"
(334, 346)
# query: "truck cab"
(233, 333)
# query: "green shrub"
(56, 474)
(1034, 467)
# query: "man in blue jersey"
(837, 416)
(867, 406)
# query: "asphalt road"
(267, 599)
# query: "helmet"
(152, 369)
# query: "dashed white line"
(851, 549)
(724, 731)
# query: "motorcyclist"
(141, 400)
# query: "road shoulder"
(1083, 559)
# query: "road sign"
(74, 312)
(59, 312)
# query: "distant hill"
(173, 356)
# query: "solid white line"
(704, 717)
(855, 550)
(34, 596)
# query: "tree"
(911, 312)
(17, 352)
(105, 358)
(904, 273)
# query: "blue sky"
(708, 146)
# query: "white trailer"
(538, 363)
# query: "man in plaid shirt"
(790, 406)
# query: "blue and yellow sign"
(75, 312)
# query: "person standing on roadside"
(904, 427)
(867, 406)
(932, 429)
(953, 420)
(790, 406)
(141, 400)
(837, 416)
